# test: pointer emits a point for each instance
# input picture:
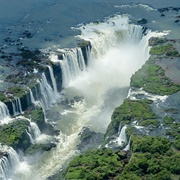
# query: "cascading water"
(17, 107)
(8, 161)
(33, 132)
(128, 146)
(47, 94)
(37, 103)
(122, 139)
(72, 64)
(118, 50)
(53, 80)
(4, 113)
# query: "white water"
(33, 132)
(17, 107)
(31, 96)
(72, 65)
(53, 80)
(4, 113)
(118, 50)
(156, 98)
(8, 162)
(37, 136)
(128, 146)
(37, 103)
(48, 97)
(122, 139)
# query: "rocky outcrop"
(89, 139)
(15, 134)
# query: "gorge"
(66, 90)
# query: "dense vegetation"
(167, 49)
(14, 134)
(152, 78)
(3, 98)
(16, 91)
(37, 116)
(99, 164)
(151, 158)
(131, 111)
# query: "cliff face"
(35, 87)
(19, 85)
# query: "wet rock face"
(90, 139)
(142, 21)
(3, 154)
(58, 76)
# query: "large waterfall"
(90, 93)
(72, 64)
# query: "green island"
(150, 156)
(14, 134)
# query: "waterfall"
(47, 94)
(8, 161)
(127, 148)
(17, 108)
(122, 139)
(33, 132)
(4, 113)
(119, 141)
(72, 65)
(30, 136)
(37, 103)
(81, 60)
(31, 96)
(19, 105)
(53, 81)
